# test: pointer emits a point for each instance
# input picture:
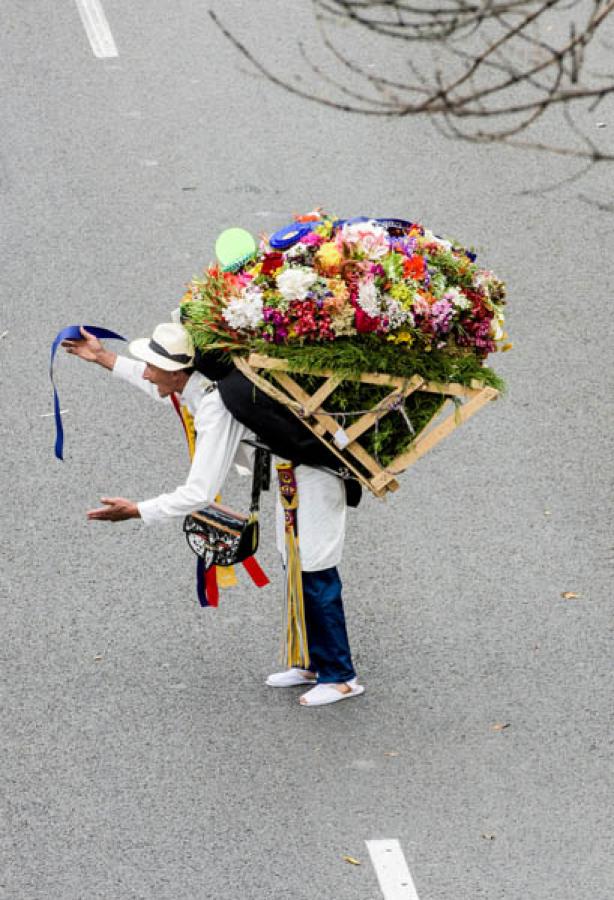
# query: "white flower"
(294, 283)
(433, 239)
(397, 316)
(297, 249)
(457, 298)
(245, 311)
(368, 298)
(497, 330)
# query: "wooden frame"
(461, 403)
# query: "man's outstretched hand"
(115, 509)
(90, 349)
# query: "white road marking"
(392, 872)
(97, 28)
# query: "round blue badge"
(291, 234)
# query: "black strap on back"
(261, 477)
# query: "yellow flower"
(324, 230)
(328, 258)
(343, 321)
(339, 289)
(403, 337)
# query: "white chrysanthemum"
(294, 283)
(368, 298)
(245, 312)
(457, 298)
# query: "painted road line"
(391, 869)
(97, 28)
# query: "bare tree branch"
(482, 70)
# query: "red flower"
(272, 262)
(414, 267)
(364, 322)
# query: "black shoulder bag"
(219, 535)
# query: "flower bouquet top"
(357, 293)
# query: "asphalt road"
(141, 754)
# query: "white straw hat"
(170, 347)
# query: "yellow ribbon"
(226, 575)
(295, 651)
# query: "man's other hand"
(115, 509)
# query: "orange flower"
(430, 298)
(309, 217)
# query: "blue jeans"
(327, 638)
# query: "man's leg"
(327, 638)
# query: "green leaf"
(393, 266)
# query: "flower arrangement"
(352, 296)
(392, 280)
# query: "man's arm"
(90, 349)
(219, 437)
(131, 370)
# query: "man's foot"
(291, 678)
(323, 694)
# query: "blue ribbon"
(288, 236)
(71, 333)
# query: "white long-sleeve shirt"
(321, 509)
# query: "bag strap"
(261, 478)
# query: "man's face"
(166, 382)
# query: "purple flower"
(441, 316)
(406, 246)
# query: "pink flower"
(312, 239)
(366, 237)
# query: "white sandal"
(323, 694)
(290, 678)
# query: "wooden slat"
(383, 379)
(296, 407)
(357, 460)
(265, 386)
(426, 442)
(368, 420)
(332, 426)
(452, 389)
(316, 400)
(258, 361)
(382, 408)
(449, 389)
(294, 389)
